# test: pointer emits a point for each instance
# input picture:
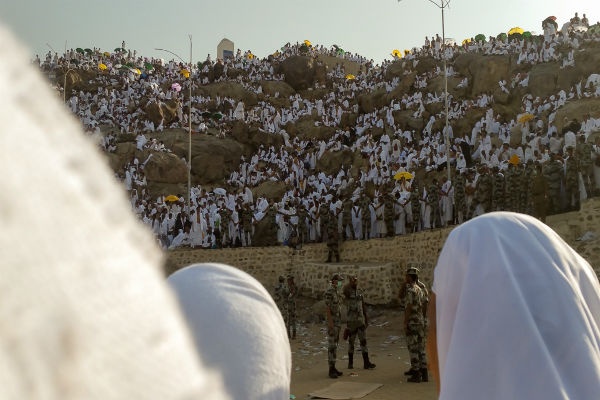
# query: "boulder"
(270, 190)
(229, 89)
(483, 72)
(165, 168)
(299, 72)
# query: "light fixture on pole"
(189, 158)
(442, 4)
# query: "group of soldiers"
(414, 299)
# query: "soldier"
(414, 325)
(586, 167)
(332, 241)
(279, 297)
(356, 322)
(324, 217)
(553, 172)
(303, 226)
(347, 231)
(433, 200)
(459, 198)
(539, 194)
(334, 322)
(365, 216)
(272, 226)
(247, 221)
(388, 214)
(291, 294)
(482, 198)
(572, 180)
(526, 198)
(415, 205)
(225, 215)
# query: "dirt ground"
(387, 349)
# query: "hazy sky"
(371, 28)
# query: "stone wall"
(379, 263)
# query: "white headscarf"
(85, 312)
(518, 313)
(238, 329)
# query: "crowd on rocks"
(402, 186)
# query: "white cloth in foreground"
(238, 329)
(85, 312)
(518, 313)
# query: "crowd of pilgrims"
(403, 185)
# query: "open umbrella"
(250, 56)
(525, 117)
(148, 66)
(102, 67)
(176, 87)
(350, 77)
(88, 51)
(516, 29)
(340, 52)
(480, 37)
(527, 34)
(79, 50)
(552, 17)
(136, 71)
(220, 191)
(403, 174)
(466, 41)
(216, 116)
(396, 53)
(185, 73)
(501, 36)
(119, 50)
(308, 43)
(514, 160)
(106, 54)
(171, 197)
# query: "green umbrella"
(119, 50)
(527, 34)
(89, 51)
(148, 66)
(217, 116)
(501, 36)
(480, 38)
(79, 50)
(340, 52)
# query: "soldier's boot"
(424, 375)
(367, 364)
(350, 360)
(332, 372)
(410, 372)
(338, 372)
(416, 377)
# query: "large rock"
(299, 72)
(165, 168)
(543, 79)
(483, 72)
(270, 190)
(229, 89)
(576, 110)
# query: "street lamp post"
(189, 159)
(442, 4)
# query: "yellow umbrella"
(516, 29)
(350, 77)
(466, 41)
(102, 66)
(106, 54)
(514, 159)
(308, 43)
(525, 117)
(397, 53)
(185, 73)
(136, 71)
(403, 174)
(171, 197)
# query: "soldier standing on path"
(291, 294)
(356, 322)
(365, 217)
(414, 326)
(460, 204)
(279, 297)
(553, 172)
(334, 322)
(388, 213)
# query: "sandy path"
(387, 349)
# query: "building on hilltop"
(225, 49)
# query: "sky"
(370, 28)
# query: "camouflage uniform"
(347, 231)
(356, 324)
(526, 206)
(460, 203)
(225, 215)
(302, 225)
(499, 192)
(415, 332)
(415, 207)
(332, 241)
(433, 198)
(388, 214)
(279, 297)
(586, 167)
(324, 218)
(271, 218)
(365, 217)
(483, 194)
(572, 181)
(246, 218)
(291, 293)
(539, 194)
(333, 303)
(553, 172)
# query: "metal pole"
(189, 182)
(446, 134)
